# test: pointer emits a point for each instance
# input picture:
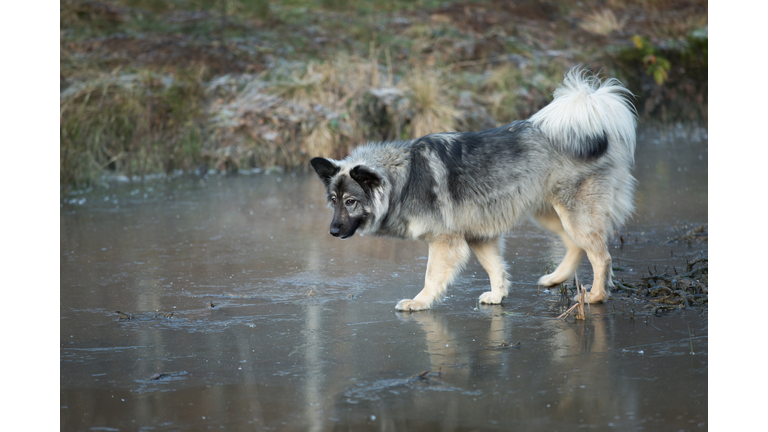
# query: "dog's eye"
(333, 200)
(350, 202)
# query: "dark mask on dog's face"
(347, 216)
(348, 195)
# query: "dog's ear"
(325, 169)
(366, 178)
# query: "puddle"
(303, 334)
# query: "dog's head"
(350, 192)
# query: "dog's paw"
(549, 280)
(491, 297)
(406, 305)
(592, 296)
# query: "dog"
(567, 167)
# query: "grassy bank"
(152, 86)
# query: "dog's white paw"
(592, 296)
(549, 280)
(405, 305)
(491, 297)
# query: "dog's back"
(479, 184)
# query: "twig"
(461, 64)
(624, 287)
(112, 159)
(581, 294)
(565, 314)
(693, 272)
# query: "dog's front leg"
(447, 255)
(489, 253)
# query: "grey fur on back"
(474, 183)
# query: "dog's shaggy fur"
(567, 167)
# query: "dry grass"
(677, 26)
(301, 87)
(285, 119)
(135, 124)
(427, 110)
(142, 124)
(499, 87)
(326, 109)
(580, 299)
(321, 140)
(602, 23)
(325, 82)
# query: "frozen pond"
(304, 334)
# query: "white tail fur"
(588, 117)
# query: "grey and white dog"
(567, 167)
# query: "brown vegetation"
(152, 86)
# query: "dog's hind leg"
(489, 253)
(447, 255)
(588, 227)
(573, 255)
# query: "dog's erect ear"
(325, 169)
(366, 178)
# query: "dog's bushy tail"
(590, 117)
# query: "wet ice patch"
(421, 382)
(161, 381)
(315, 285)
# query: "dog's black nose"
(335, 231)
